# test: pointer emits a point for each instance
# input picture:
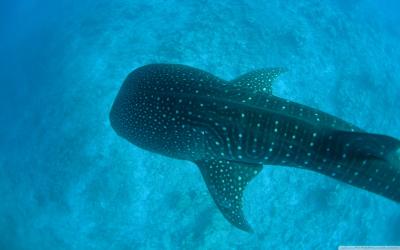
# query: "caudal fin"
(373, 160)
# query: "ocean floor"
(67, 181)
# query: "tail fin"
(373, 160)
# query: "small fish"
(230, 129)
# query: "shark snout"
(117, 116)
(113, 117)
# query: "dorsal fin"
(226, 181)
(259, 80)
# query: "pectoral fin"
(226, 181)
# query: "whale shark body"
(230, 129)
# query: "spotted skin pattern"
(230, 129)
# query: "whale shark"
(231, 129)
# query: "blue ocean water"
(67, 181)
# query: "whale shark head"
(155, 109)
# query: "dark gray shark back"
(174, 92)
(231, 128)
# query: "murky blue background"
(68, 182)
